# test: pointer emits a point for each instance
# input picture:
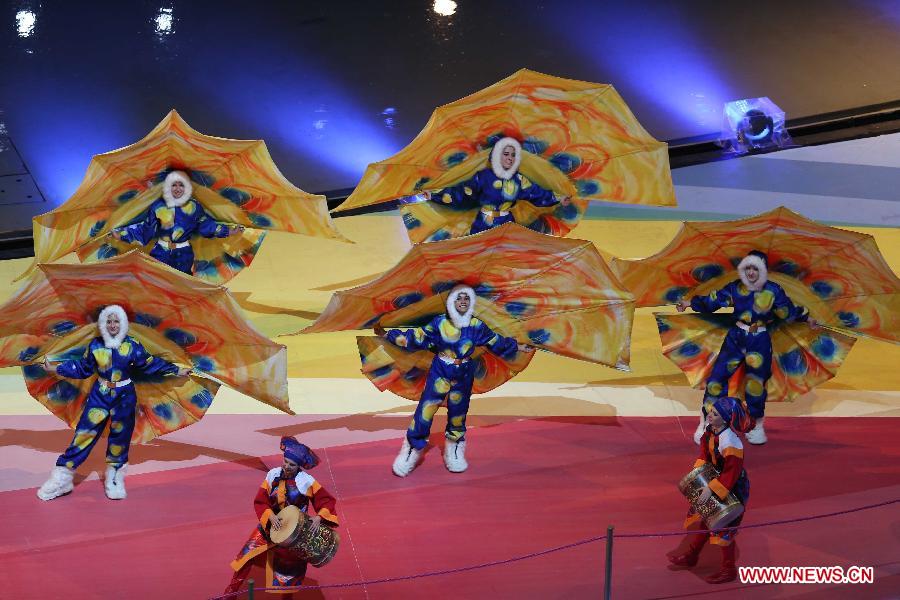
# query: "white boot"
(698, 434)
(59, 484)
(455, 456)
(114, 482)
(757, 435)
(120, 481)
(406, 460)
(109, 482)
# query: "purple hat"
(299, 453)
(732, 412)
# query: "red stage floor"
(533, 484)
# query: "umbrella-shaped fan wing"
(579, 139)
(839, 275)
(181, 318)
(236, 181)
(554, 293)
(802, 358)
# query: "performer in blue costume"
(497, 189)
(452, 337)
(171, 221)
(757, 303)
(112, 357)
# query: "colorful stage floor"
(534, 484)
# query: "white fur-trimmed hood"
(181, 176)
(496, 167)
(760, 264)
(461, 320)
(108, 340)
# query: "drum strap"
(281, 494)
(713, 446)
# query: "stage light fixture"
(25, 21)
(753, 124)
(164, 21)
(444, 8)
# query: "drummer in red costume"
(720, 446)
(283, 486)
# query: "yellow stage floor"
(293, 277)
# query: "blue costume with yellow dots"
(452, 372)
(748, 341)
(172, 228)
(496, 189)
(496, 197)
(111, 397)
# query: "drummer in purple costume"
(287, 485)
(721, 447)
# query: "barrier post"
(250, 586)
(607, 584)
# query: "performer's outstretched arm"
(208, 227)
(715, 300)
(152, 365)
(786, 310)
(536, 194)
(142, 232)
(79, 368)
(461, 195)
(504, 347)
(419, 338)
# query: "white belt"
(493, 213)
(168, 245)
(452, 361)
(745, 327)
(115, 384)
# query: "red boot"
(237, 582)
(689, 558)
(728, 572)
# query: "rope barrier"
(553, 550)
(427, 574)
(764, 524)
